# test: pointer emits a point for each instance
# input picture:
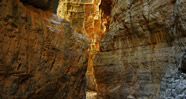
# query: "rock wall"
(173, 86)
(41, 57)
(87, 17)
(145, 41)
(90, 18)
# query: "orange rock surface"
(41, 57)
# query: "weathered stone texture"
(90, 18)
(145, 42)
(41, 57)
(173, 86)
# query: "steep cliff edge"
(41, 57)
(145, 42)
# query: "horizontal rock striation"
(145, 42)
(41, 57)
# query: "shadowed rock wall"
(145, 42)
(41, 57)
(43, 4)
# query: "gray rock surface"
(174, 85)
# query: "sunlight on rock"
(91, 95)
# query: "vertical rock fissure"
(92, 19)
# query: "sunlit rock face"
(41, 57)
(87, 17)
(145, 41)
(90, 18)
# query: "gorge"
(92, 49)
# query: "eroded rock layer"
(41, 57)
(145, 42)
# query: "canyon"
(92, 49)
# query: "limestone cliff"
(41, 57)
(145, 42)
